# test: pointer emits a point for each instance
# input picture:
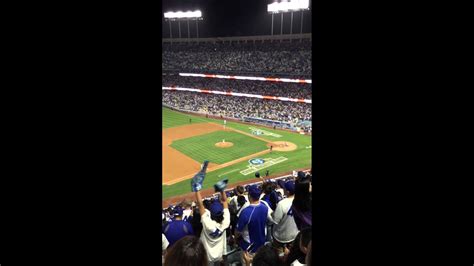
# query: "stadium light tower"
(185, 16)
(291, 6)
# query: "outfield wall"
(228, 118)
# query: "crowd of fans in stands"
(260, 224)
(237, 107)
(281, 89)
(275, 57)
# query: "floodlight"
(181, 14)
(304, 4)
(287, 6)
(273, 7)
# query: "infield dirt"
(178, 167)
(175, 163)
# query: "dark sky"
(224, 18)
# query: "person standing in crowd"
(281, 187)
(236, 203)
(196, 221)
(177, 228)
(306, 235)
(266, 190)
(189, 250)
(214, 221)
(265, 256)
(251, 226)
(285, 229)
(188, 211)
(301, 207)
(238, 191)
(294, 251)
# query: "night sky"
(223, 18)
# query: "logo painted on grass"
(267, 162)
(258, 132)
(257, 161)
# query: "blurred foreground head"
(188, 251)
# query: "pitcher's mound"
(224, 144)
(282, 146)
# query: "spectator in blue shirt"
(251, 226)
(177, 228)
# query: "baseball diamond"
(186, 145)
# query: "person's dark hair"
(239, 190)
(274, 185)
(218, 218)
(274, 199)
(188, 251)
(241, 200)
(267, 188)
(206, 203)
(266, 256)
(302, 201)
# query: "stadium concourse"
(268, 222)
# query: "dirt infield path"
(175, 163)
(216, 167)
(178, 167)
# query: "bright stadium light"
(180, 14)
(288, 6)
(186, 16)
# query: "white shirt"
(296, 263)
(164, 242)
(285, 229)
(270, 211)
(186, 214)
(282, 192)
(213, 235)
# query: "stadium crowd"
(270, 57)
(237, 107)
(265, 223)
(291, 90)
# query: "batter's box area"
(258, 164)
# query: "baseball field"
(235, 151)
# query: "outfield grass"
(203, 147)
(299, 158)
(170, 118)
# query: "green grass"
(299, 158)
(170, 118)
(203, 147)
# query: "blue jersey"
(252, 225)
(176, 230)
